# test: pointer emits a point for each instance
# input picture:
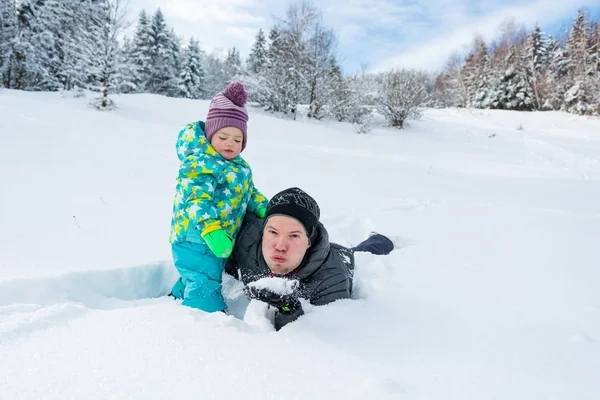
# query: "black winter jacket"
(325, 274)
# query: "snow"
(275, 284)
(492, 293)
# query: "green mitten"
(219, 242)
(261, 212)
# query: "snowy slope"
(492, 295)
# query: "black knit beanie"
(296, 203)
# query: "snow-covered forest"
(72, 45)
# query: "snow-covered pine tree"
(41, 24)
(476, 76)
(106, 58)
(175, 60)
(141, 53)
(21, 65)
(216, 79)
(594, 50)
(164, 72)
(75, 18)
(276, 73)
(128, 67)
(337, 93)
(450, 89)
(594, 67)
(258, 54)
(289, 74)
(580, 93)
(233, 65)
(293, 58)
(8, 36)
(551, 83)
(537, 58)
(323, 73)
(577, 46)
(515, 85)
(192, 78)
(255, 79)
(50, 36)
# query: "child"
(214, 191)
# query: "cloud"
(383, 33)
(222, 12)
(218, 25)
(432, 54)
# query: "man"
(291, 242)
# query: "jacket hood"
(316, 254)
(192, 140)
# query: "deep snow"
(492, 294)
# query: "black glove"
(285, 303)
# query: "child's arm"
(258, 202)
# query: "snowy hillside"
(493, 293)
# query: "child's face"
(228, 142)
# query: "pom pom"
(236, 93)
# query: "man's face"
(284, 244)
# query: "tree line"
(71, 45)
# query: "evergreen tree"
(337, 96)
(515, 87)
(216, 77)
(257, 59)
(551, 85)
(276, 74)
(141, 53)
(76, 19)
(8, 37)
(129, 70)
(22, 49)
(323, 74)
(581, 86)
(106, 57)
(594, 51)
(232, 65)
(164, 72)
(577, 47)
(41, 24)
(192, 78)
(476, 76)
(537, 59)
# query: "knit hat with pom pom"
(227, 109)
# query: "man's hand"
(219, 242)
(287, 303)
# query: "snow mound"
(282, 286)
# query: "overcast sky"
(380, 33)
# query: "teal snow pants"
(201, 274)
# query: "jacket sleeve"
(241, 257)
(324, 286)
(328, 285)
(282, 319)
(257, 199)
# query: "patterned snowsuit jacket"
(210, 188)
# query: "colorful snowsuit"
(210, 190)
